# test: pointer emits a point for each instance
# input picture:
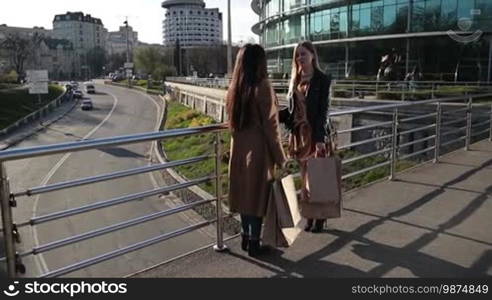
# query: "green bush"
(15, 104)
(11, 77)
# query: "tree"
(115, 61)
(155, 61)
(96, 59)
(147, 59)
(20, 49)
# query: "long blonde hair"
(296, 72)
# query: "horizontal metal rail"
(453, 131)
(366, 142)
(454, 141)
(404, 104)
(417, 153)
(481, 124)
(354, 159)
(417, 129)
(453, 111)
(386, 163)
(418, 118)
(481, 132)
(15, 154)
(111, 176)
(109, 229)
(453, 122)
(107, 256)
(432, 137)
(382, 124)
(114, 201)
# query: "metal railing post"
(468, 125)
(438, 133)
(490, 136)
(218, 192)
(394, 150)
(7, 223)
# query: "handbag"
(283, 218)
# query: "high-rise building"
(444, 39)
(190, 23)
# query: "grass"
(15, 104)
(180, 116)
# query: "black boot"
(244, 241)
(255, 249)
(309, 224)
(318, 226)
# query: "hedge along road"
(117, 111)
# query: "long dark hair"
(249, 72)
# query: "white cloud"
(144, 15)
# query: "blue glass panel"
(449, 14)
(365, 19)
(389, 16)
(465, 8)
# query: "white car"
(90, 88)
(78, 94)
(87, 104)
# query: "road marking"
(39, 259)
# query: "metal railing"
(392, 144)
(403, 90)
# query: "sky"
(145, 16)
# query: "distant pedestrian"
(255, 146)
(306, 118)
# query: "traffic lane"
(95, 162)
(28, 173)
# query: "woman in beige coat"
(255, 146)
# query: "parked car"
(90, 88)
(87, 104)
(78, 94)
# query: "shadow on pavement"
(389, 257)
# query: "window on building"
(433, 14)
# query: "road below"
(117, 112)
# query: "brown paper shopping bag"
(325, 180)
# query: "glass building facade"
(445, 39)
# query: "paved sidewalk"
(32, 128)
(434, 221)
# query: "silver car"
(87, 104)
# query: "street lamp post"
(127, 53)
(229, 40)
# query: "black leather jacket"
(317, 103)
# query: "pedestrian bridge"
(432, 220)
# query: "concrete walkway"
(434, 221)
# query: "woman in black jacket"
(306, 118)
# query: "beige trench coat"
(254, 152)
